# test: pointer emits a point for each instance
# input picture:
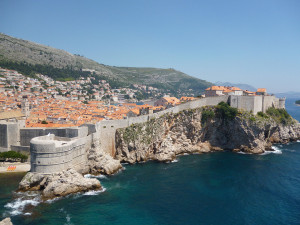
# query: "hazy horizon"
(255, 43)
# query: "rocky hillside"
(34, 56)
(204, 130)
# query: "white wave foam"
(53, 200)
(298, 141)
(276, 151)
(18, 205)
(68, 218)
(94, 192)
(173, 161)
(243, 153)
(95, 176)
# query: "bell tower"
(25, 106)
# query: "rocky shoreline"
(70, 181)
(186, 132)
(164, 138)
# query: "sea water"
(214, 188)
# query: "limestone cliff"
(99, 162)
(189, 132)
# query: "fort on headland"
(56, 149)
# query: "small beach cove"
(14, 167)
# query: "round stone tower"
(282, 103)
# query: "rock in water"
(58, 184)
(68, 182)
(6, 221)
(31, 182)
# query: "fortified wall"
(52, 154)
(53, 150)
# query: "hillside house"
(222, 90)
(134, 112)
(186, 99)
(167, 102)
(261, 91)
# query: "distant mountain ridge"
(290, 94)
(241, 86)
(33, 56)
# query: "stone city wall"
(107, 129)
(51, 154)
(26, 134)
(9, 135)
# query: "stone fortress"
(54, 150)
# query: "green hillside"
(30, 58)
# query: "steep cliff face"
(99, 162)
(188, 132)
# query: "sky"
(256, 42)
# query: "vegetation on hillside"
(60, 74)
(297, 102)
(30, 58)
(13, 155)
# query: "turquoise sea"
(214, 188)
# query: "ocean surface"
(214, 188)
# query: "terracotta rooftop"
(261, 90)
(11, 114)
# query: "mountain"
(242, 86)
(30, 58)
(290, 94)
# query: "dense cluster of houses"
(43, 102)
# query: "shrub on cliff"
(207, 115)
(280, 115)
(224, 111)
(263, 115)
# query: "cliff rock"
(6, 221)
(101, 162)
(187, 132)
